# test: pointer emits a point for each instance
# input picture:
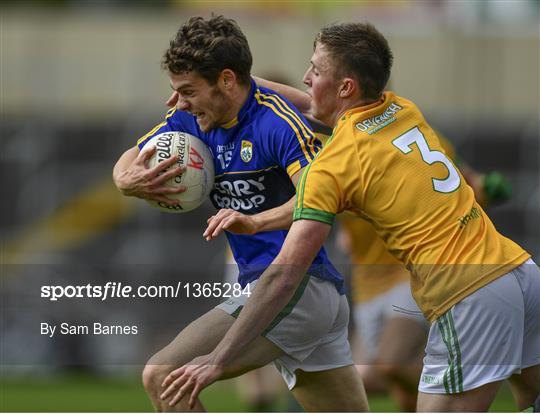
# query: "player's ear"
(227, 78)
(347, 88)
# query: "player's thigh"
(476, 400)
(368, 319)
(462, 354)
(402, 340)
(337, 390)
(526, 386)
(201, 337)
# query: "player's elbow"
(118, 182)
(116, 178)
(287, 281)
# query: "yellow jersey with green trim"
(375, 271)
(384, 163)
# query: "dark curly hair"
(208, 47)
(361, 51)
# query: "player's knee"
(153, 376)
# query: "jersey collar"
(386, 97)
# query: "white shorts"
(312, 329)
(371, 316)
(486, 337)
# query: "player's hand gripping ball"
(198, 177)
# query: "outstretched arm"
(278, 218)
(299, 98)
(274, 290)
(275, 287)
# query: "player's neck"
(237, 99)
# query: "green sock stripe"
(458, 352)
(290, 306)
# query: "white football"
(199, 175)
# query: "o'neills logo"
(181, 152)
(181, 149)
(376, 123)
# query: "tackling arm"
(278, 218)
(273, 291)
(299, 99)
(275, 287)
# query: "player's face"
(203, 100)
(322, 86)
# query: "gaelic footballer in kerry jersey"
(255, 155)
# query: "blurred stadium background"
(80, 82)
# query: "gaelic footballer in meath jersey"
(385, 164)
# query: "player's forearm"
(278, 218)
(121, 166)
(274, 290)
(300, 99)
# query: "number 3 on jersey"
(404, 142)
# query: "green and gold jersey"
(375, 271)
(384, 163)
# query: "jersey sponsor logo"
(239, 194)
(246, 151)
(378, 122)
(473, 214)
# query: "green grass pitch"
(84, 393)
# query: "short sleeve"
(293, 144)
(329, 183)
(318, 194)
